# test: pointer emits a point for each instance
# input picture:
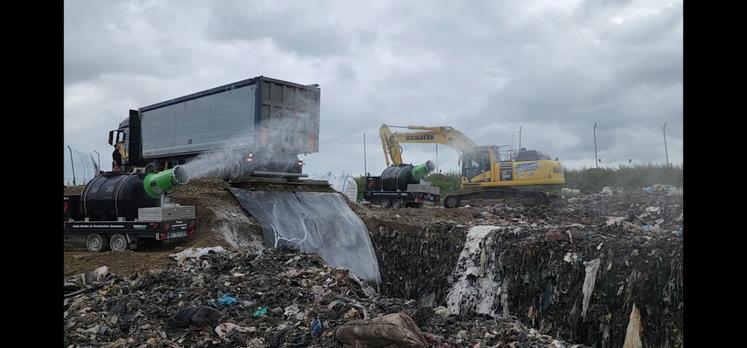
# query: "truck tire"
(96, 243)
(234, 171)
(134, 243)
(451, 202)
(386, 203)
(118, 242)
(396, 204)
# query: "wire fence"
(80, 166)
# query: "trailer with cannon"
(402, 186)
(118, 211)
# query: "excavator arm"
(425, 135)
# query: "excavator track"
(493, 196)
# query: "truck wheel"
(118, 242)
(96, 243)
(386, 203)
(397, 204)
(133, 244)
(451, 202)
(234, 173)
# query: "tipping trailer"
(401, 185)
(118, 210)
(258, 127)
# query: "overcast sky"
(486, 68)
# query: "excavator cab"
(476, 165)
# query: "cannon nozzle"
(156, 184)
(421, 170)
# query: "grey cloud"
(293, 29)
(485, 68)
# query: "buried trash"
(227, 300)
(163, 308)
(396, 329)
(226, 329)
(537, 257)
(591, 268)
(316, 328)
(195, 317)
(260, 312)
(195, 253)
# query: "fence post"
(72, 164)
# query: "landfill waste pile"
(576, 282)
(278, 298)
(575, 268)
(602, 269)
(637, 211)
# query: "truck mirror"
(111, 137)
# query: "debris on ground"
(196, 253)
(172, 308)
(397, 329)
(569, 192)
(602, 269)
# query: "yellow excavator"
(489, 173)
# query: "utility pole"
(596, 160)
(72, 164)
(666, 153)
(365, 166)
(519, 138)
(436, 157)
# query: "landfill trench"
(416, 260)
(604, 270)
(596, 270)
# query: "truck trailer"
(257, 127)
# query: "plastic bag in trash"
(225, 329)
(316, 328)
(227, 300)
(260, 312)
(198, 317)
(397, 329)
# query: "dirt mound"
(124, 262)
(271, 299)
(425, 215)
(220, 219)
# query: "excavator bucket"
(313, 222)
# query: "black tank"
(397, 177)
(113, 195)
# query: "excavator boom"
(425, 135)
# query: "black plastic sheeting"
(313, 222)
